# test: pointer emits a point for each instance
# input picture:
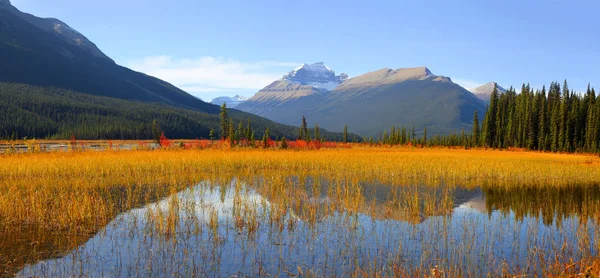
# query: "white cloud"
(467, 84)
(206, 76)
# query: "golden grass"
(66, 189)
(81, 191)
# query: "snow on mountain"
(231, 102)
(317, 75)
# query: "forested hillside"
(32, 111)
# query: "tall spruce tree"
(475, 130)
(304, 135)
(248, 132)
(224, 115)
(563, 115)
(490, 130)
(240, 132)
(156, 131)
(345, 135)
(231, 134)
(543, 122)
(554, 100)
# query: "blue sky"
(212, 48)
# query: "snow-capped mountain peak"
(317, 75)
(316, 67)
(231, 102)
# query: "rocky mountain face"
(372, 102)
(231, 102)
(304, 81)
(484, 91)
(317, 75)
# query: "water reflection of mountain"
(411, 204)
(399, 202)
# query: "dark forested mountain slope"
(32, 111)
(48, 52)
(73, 87)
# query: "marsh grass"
(315, 197)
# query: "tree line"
(51, 113)
(556, 120)
(553, 120)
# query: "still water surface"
(213, 230)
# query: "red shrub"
(164, 142)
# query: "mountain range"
(50, 70)
(369, 103)
(54, 82)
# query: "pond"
(318, 229)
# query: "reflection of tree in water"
(551, 204)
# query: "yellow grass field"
(72, 188)
(79, 192)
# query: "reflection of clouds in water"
(477, 203)
(129, 245)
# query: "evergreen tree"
(424, 140)
(555, 119)
(317, 132)
(563, 115)
(543, 122)
(266, 138)
(211, 135)
(231, 133)
(590, 128)
(248, 132)
(490, 130)
(284, 144)
(304, 130)
(224, 115)
(345, 135)
(532, 123)
(240, 132)
(475, 130)
(156, 131)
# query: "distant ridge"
(372, 102)
(484, 91)
(231, 102)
